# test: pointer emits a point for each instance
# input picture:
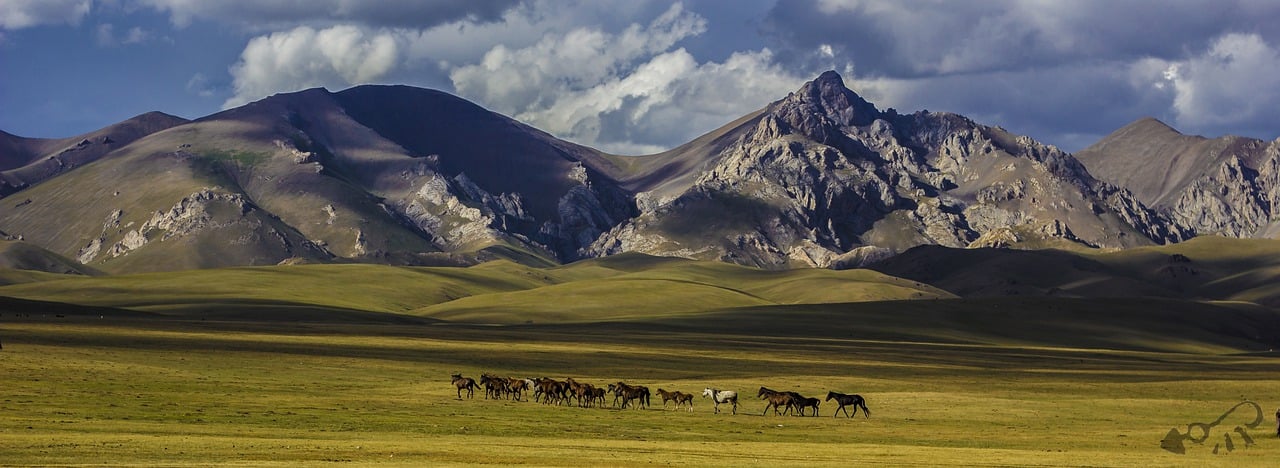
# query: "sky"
(638, 76)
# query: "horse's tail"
(645, 395)
(865, 412)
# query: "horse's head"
(707, 392)
(456, 375)
(830, 395)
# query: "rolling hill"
(1206, 268)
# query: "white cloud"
(303, 57)
(18, 14)
(627, 92)
(1235, 82)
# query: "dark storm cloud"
(911, 39)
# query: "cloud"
(105, 36)
(622, 86)
(278, 13)
(913, 38)
(626, 92)
(303, 57)
(18, 14)
(200, 85)
(1234, 85)
(1066, 73)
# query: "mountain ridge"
(1228, 185)
(404, 175)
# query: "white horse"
(722, 396)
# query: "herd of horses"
(567, 392)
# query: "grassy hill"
(495, 292)
(1203, 268)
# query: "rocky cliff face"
(1226, 186)
(823, 173)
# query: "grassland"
(306, 370)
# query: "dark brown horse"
(627, 393)
(803, 403)
(843, 400)
(464, 383)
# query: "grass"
(349, 364)
(496, 292)
(161, 392)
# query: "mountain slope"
(28, 161)
(1228, 185)
(822, 174)
(295, 177)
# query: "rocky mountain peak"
(828, 96)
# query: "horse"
(627, 393)
(552, 391)
(803, 403)
(517, 386)
(493, 386)
(684, 399)
(849, 400)
(464, 383)
(721, 396)
(597, 396)
(669, 396)
(777, 400)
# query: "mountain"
(29, 161)
(822, 177)
(1228, 185)
(371, 174)
(402, 175)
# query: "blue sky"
(635, 76)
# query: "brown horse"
(551, 391)
(776, 400)
(464, 383)
(517, 387)
(627, 393)
(684, 399)
(849, 400)
(669, 396)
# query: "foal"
(684, 399)
(669, 396)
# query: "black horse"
(849, 400)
